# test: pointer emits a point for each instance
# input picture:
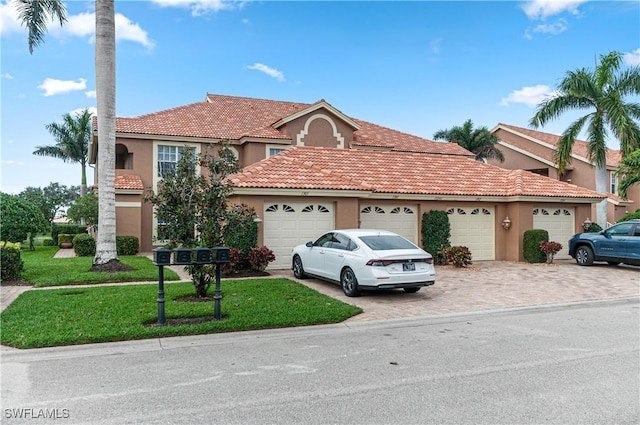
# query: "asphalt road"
(570, 364)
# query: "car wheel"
(349, 283)
(298, 270)
(584, 256)
(411, 290)
(613, 263)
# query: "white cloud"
(90, 93)
(558, 27)
(435, 44)
(79, 111)
(201, 7)
(52, 87)
(7, 76)
(633, 58)
(541, 9)
(530, 96)
(80, 25)
(268, 70)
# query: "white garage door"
(288, 224)
(474, 228)
(559, 222)
(400, 219)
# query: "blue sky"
(418, 66)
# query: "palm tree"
(34, 14)
(72, 142)
(602, 91)
(479, 141)
(629, 172)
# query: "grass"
(41, 269)
(68, 316)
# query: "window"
(614, 185)
(275, 151)
(168, 157)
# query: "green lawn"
(102, 313)
(41, 269)
(67, 316)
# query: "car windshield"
(385, 242)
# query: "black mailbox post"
(161, 258)
(182, 256)
(221, 255)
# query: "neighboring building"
(533, 151)
(309, 168)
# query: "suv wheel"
(584, 255)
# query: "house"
(533, 151)
(308, 168)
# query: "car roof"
(365, 232)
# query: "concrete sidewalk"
(487, 285)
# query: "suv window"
(623, 229)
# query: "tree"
(479, 141)
(72, 138)
(20, 219)
(50, 200)
(34, 14)
(85, 210)
(601, 91)
(193, 206)
(629, 172)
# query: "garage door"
(288, 224)
(473, 227)
(400, 219)
(559, 222)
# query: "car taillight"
(380, 263)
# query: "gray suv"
(617, 244)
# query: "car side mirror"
(309, 244)
(605, 234)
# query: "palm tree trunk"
(106, 100)
(601, 186)
(83, 181)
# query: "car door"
(633, 247)
(335, 256)
(616, 240)
(314, 261)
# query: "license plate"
(408, 267)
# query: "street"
(565, 364)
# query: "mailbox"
(202, 255)
(220, 254)
(161, 257)
(182, 256)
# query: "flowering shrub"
(459, 256)
(260, 257)
(236, 261)
(550, 248)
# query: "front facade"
(533, 150)
(308, 168)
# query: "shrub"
(531, 245)
(20, 219)
(236, 257)
(550, 249)
(48, 242)
(83, 245)
(630, 216)
(593, 228)
(436, 232)
(12, 263)
(70, 229)
(127, 245)
(259, 258)
(459, 256)
(64, 237)
(241, 231)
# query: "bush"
(593, 228)
(459, 256)
(259, 258)
(241, 231)
(550, 249)
(48, 242)
(127, 245)
(436, 232)
(83, 245)
(12, 263)
(70, 229)
(20, 219)
(531, 245)
(236, 258)
(630, 216)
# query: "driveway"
(491, 285)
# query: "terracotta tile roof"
(231, 117)
(131, 182)
(579, 146)
(404, 173)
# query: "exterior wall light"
(586, 224)
(506, 223)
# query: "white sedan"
(364, 259)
